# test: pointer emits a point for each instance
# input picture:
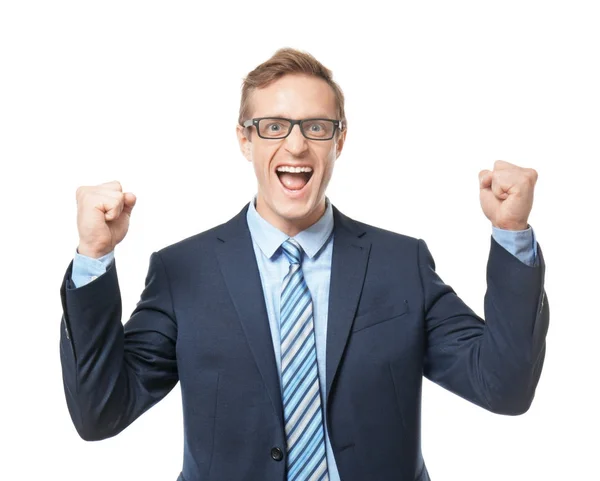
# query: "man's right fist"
(103, 213)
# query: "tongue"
(293, 181)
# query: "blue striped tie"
(306, 460)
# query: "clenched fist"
(103, 213)
(506, 195)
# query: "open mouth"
(294, 178)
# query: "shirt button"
(277, 454)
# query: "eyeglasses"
(279, 128)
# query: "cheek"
(328, 164)
(261, 157)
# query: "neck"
(287, 225)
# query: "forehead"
(294, 96)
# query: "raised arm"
(111, 373)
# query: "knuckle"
(528, 176)
(533, 174)
(112, 186)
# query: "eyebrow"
(283, 116)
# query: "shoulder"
(388, 247)
(202, 242)
(373, 233)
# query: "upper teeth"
(285, 168)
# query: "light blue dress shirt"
(317, 244)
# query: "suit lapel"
(240, 271)
(348, 269)
(238, 266)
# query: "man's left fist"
(506, 195)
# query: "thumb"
(485, 179)
(129, 201)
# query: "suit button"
(277, 454)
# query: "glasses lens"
(273, 128)
(318, 129)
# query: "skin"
(295, 97)
(103, 213)
(104, 210)
(506, 195)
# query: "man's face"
(292, 201)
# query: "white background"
(148, 93)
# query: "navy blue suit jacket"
(201, 320)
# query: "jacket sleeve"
(113, 373)
(495, 363)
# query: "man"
(300, 336)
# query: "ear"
(243, 135)
(339, 142)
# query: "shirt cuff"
(87, 269)
(520, 243)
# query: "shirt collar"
(269, 238)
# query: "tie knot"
(292, 251)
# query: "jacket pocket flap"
(378, 315)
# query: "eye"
(318, 129)
(274, 127)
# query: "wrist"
(514, 226)
(87, 251)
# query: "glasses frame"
(337, 124)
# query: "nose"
(296, 143)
